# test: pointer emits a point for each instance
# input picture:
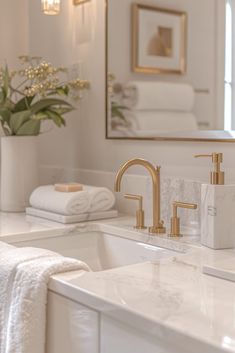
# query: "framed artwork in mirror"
(158, 40)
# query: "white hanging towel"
(24, 275)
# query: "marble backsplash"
(172, 189)
(181, 190)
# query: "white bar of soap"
(68, 187)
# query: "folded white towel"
(24, 274)
(91, 199)
(67, 203)
(156, 122)
(168, 96)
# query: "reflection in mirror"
(169, 69)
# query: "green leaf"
(6, 130)
(117, 113)
(62, 111)
(6, 81)
(52, 114)
(2, 96)
(57, 118)
(23, 104)
(5, 115)
(62, 91)
(8, 104)
(30, 128)
(18, 119)
(46, 103)
(40, 116)
(122, 107)
(117, 106)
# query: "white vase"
(19, 171)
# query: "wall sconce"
(79, 2)
(51, 7)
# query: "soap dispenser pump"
(216, 176)
(217, 208)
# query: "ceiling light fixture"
(51, 7)
(79, 2)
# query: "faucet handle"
(175, 220)
(216, 157)
(139, 212)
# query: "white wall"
(57, 39)
(13, 30)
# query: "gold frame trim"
(80, 2)
(135, 40)
(169, 139)
(173, 139)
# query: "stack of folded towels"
(89, 203)
(160, 106)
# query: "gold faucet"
(158, 224)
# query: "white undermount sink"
(99, 250)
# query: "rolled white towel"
(91, 199)
(101, 198)
(169, 96)
(66, 203)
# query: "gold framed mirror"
(166, 71)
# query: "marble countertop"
(170, 298)
(20, 227)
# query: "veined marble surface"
(18, 226)
(217, 216)
(171, 298)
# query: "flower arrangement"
(33, 94)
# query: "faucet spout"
(157, 227)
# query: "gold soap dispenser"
(216, 176)
(217, 208)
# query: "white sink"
(99, 250)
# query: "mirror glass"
(169, 69)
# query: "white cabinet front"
(71, 327)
